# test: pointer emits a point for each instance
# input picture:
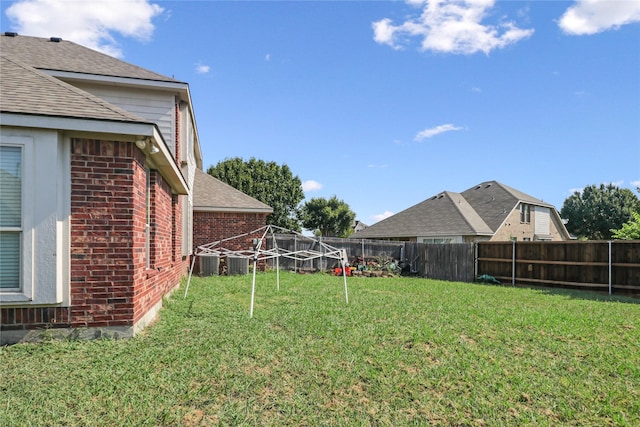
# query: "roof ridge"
(462, 214)
(68, 56)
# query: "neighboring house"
(222, 212)
(487, 211)
(97, 165)
(359, 226)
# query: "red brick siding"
(166, 270)
(108, 184)
(34, 318)
(209, 227)
(110, 284)
(212, 226)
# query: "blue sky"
(387, 103)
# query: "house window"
(11, 159)
(439, 240)
(525, 213)
(35, 208)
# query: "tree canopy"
(332, 218)
(593, 212)
(630, 230)
(268, 182)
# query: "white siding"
(45, 217)
(159, 107)
(542, 220)
(188, 160)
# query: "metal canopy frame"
(260, 252)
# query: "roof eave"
(116, 80)
(231, 209)
(77, 124)
(106, 129)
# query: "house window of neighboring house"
(525, 213)
(439, 240)
(11, 174)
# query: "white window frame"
(46, 207)
(525, 213)
(442, 239)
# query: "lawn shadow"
(583, 294)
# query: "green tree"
(331, 217)
(630, 230)
(593, 212)
(272, 184)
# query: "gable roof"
(25, 90)
(212, 195)
(33, 94)
(448, 214)
(494, 201)
(60, 55)
(478, 211)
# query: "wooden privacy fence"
(449, 261)
(455, 261)
(612, 266)
(354, 248)
(597, 265)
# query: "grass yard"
(404, 351)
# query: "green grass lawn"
(404, 351)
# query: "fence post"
(610, 276)
(513, 264)
(475, 260)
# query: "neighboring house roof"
(213, 195)
(478, 211)
(61, 55)
(494, 201)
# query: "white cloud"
(635, 183)
(431, 132)
(594, 16)
(267, 57)
(311, 185)
(202, 69)
(89, 23)
(380, 217)
(451, 26)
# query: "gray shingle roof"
(480, 210)
(211, 194)
(494, 201)
(25, 90)
(444, 214)
(44, 54)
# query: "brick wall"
(110, 283)
(209, 227)
(108, 185)
(512, 227)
